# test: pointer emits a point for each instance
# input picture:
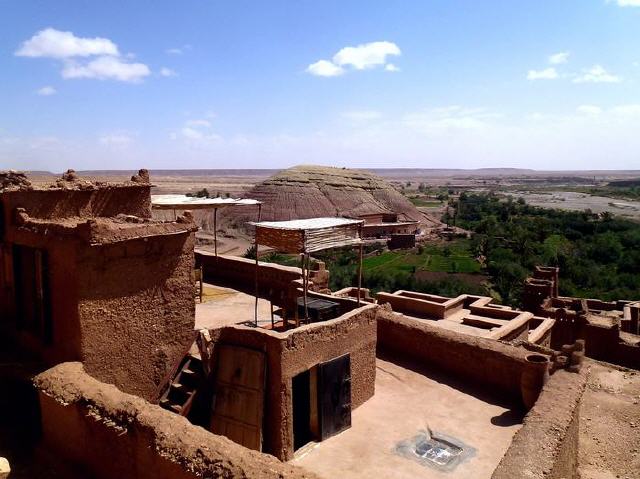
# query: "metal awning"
(184, 202)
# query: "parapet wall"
(483, 361)
(88, 202)
(113, 434)
(546, 447)
(275, 282)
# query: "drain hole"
(437, 451)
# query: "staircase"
(179, 396)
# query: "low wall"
(292, 352)
(546, 447)
(113, 434)
(487, 362)
(275, 282)
(413, 305)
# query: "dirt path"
(610, 424)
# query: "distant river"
(569, 200)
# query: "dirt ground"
(610, 424)
(407, 402)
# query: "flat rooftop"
(225, 306)
(405, 403)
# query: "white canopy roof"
(180, 202)
(309, 235)
(307, 224)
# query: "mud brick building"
(84, 267)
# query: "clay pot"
(534, 376)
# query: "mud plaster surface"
(610, 424)
(132, 438)
(406, 402)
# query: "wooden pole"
(255, 312)
(302, 270)
(360, 273)
(305, 273)
(215, 231)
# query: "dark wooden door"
(335, 396)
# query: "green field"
(453, 257)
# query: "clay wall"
(102, 201)
(142, 291)
(388, 229)
(546, 447)
(112, 434)
(298, 350)
(275, 282)
(483, 361)
(414, 306)
(65, 344)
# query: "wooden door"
(238, 402)
(335, 396)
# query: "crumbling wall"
(136, 308)
(546, 447)
(84, 201)
(113, 434)
(292, 352)
(487, 362)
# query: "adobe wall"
(113, 434)
(62, 277)
(275, 282)
(298, 350)
(546, 447)
(136, 310)
(89, 201)
(486, 362)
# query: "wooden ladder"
(179, 396)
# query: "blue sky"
(546, 84)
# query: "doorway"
(301, 392)
(32, 298)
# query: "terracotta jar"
(534, 376)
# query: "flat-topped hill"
(315, 191)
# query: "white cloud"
(196, 132)
(546, 74)
(367, 55)
(589, 110)
(559, 58)
(324, 68)
(362, 115)
(52, 43)
(66, 47)
(627, 110)
(178, 50)
(361, 57)
(197, 123)
(167, 72)
(46, 91)
(446, 119)
(597, 74)
(118, 140)
(106, 68)
(626, 3)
